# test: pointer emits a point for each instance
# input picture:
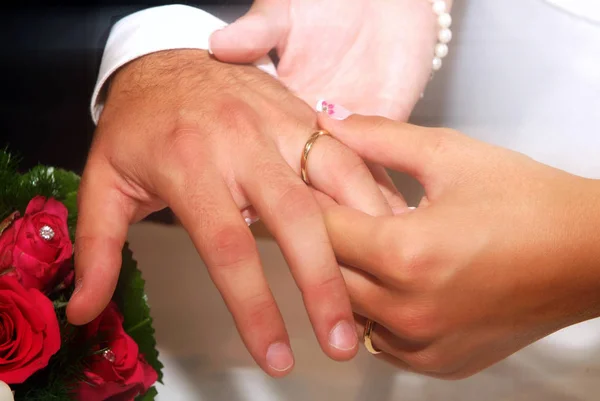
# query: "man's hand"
(373, 56)
(502, 251)
(207, 139)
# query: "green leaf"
(131, 299)
(69, 181)
(19, 189)
(70, 201)
(55, 381)
(68, 187)
(149, 396)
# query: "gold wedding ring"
(369, 326)
(309, 144)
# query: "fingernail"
(402, 210)
(210, 51)
(279, 357)
(78, 285)
(251, 220)
(343, 336)
(333, 110)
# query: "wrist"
(579, 255)
(421, 40)
(593, 245)
(161, 69)
(149, 31)
(557, 252)
(152, 31)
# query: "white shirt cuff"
(152, 30)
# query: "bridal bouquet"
(42, 356)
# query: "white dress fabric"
(522, 74)
(589, 9)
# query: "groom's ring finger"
(334, 169)
(306, 152)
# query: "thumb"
(253, 35)
(102, 223)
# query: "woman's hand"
(373, 56)
(502, 251)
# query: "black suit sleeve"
(50, 52)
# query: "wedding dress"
(589, 9)
(523, 74)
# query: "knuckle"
(260, 313)
(389, 253)
(292, 121)
(235, 116)
(192, 129)
(86, 248)
(297, 201)
(419, 323)
(183, 150)
(412, 262)
(272, 172)
(306, 115)
(228, 247)
(353, 169)
(83, 244)
(409, 263)
(429, 361)
(442, 142)
(324, 287)
(377, 125)
(405, 259)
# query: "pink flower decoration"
(328, 108)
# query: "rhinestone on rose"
(109, 355)
(47, 233)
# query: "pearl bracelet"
(444, 21)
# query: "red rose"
(29, 332)
(37, 245)
(120, 372)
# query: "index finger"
(371, 244)
(402, 147)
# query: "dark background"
(50, 53)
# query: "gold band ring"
(369, 326)
(307, 147)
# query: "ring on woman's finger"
(369, 326)
(306, 151)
